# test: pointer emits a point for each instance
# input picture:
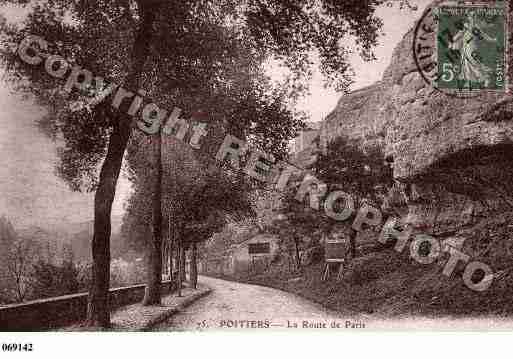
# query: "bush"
(50, 280)
(124, 273)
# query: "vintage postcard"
(259, 165)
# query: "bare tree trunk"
(19, 290)
(153, 286)
(193, 271)
(183, 277)
(352, 242)
(164, 254)
(170, 257)
(178, 264)
(170, 248)
(98, 311)
(298, 257)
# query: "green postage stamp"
(472, 46)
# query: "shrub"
(50, 280)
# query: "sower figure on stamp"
(472, 69)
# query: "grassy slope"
(388, 283)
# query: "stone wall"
(51, 313)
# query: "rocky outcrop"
(454, 156)
(359, 114)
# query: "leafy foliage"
(51, 280)
(299, 227)
(197, 47)
(345, 165)
(360, 170)
(197, 200)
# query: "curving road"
(239, 306)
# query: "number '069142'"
(16, 347)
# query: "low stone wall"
(50, 313)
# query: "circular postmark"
(459, 50)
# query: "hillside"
(80, 239)
(54, 239)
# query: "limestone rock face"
(454, 155)
(358, 115)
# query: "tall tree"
(152, 293)
(98, 312)
(101, 28)
(193, 271)
(196, 199)
(357, 169)
(297, 224)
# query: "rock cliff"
(434, 140)
(454, 156)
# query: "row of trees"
(197, 54)
(196, 201)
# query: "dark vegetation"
(386, 283)
(37, 263)
(380, 280)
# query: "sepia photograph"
(255, 166)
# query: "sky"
(396, 23)
(31, 193)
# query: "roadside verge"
(140, 318)
(136, 317)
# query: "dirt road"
(242, 306)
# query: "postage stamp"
(471, 47)
(461, 48)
